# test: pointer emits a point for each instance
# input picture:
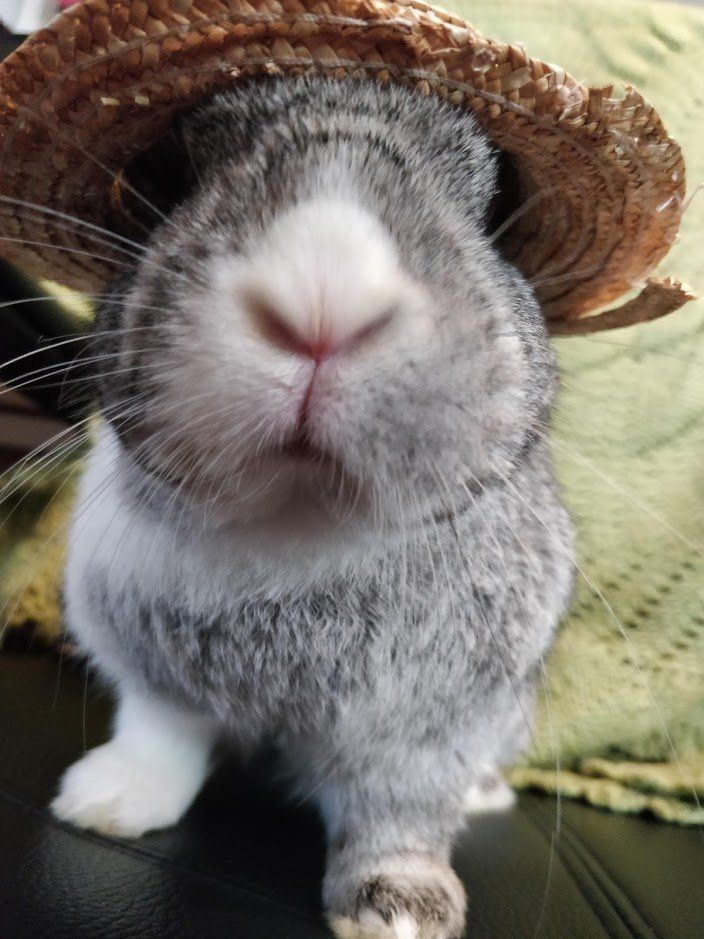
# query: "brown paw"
(408, 896)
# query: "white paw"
(112, 791)
(490, 793)
(373, 927)
(411, 896)
(370, 926)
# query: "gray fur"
(393, 654)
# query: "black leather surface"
(246, 864)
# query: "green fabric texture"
(623, 703)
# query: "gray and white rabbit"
(321, 509)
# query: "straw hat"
(101, 84)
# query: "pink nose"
(321, 344)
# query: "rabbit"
(320, 510)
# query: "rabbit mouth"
(302, 449)
(299, 448)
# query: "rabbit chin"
(296, 498)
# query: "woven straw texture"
(81, 98)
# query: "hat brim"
(601, 181)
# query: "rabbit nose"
(317, 341)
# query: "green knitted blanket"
(622, 709)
